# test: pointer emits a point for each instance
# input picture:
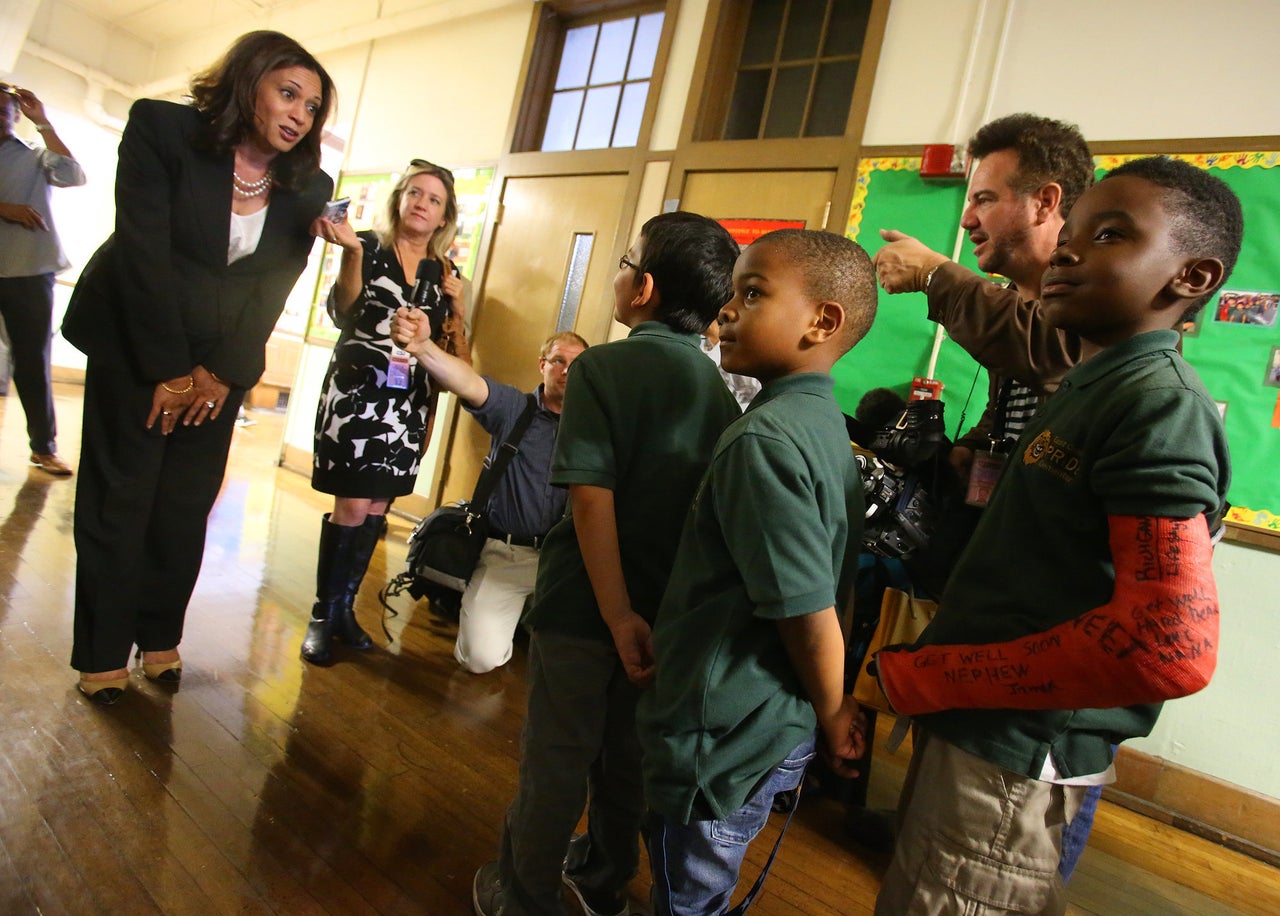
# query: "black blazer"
(158, 295)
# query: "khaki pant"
(975, 838)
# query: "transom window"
(796, 69)
(601, 84)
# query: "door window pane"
(562, 120)
(575, 60)
(575, 279)
(598, 115)
(786, 108)
(831, 99)
(796, 68)
(602, 84)
(630, 113)
(848, 28)
(747, 105)
(612, 51)
(648, 31)
(804, 29)
(761, 42)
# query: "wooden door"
(760, 195)
(554, 234)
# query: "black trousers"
(142, 506)
(27, 306)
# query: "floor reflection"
(263, 785)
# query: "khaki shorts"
(975, 838)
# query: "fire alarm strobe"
(942, 160)
(925, 389)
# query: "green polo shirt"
(1131, 431)
(765, 539)
(640, 418)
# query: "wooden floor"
(267, 786)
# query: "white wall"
(442, 93)
(1121, 69)
(1228, 729)
(690, 21)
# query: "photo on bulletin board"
(1239, 307)
(1272, 377)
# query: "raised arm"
(347, 288)
(994, 325)
(412, 330)
(33, 108)
(1155, 640)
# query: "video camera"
(899, 477)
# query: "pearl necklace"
(250, 188)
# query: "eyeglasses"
(623, 264)
(424, 164)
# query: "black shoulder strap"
(492, 473)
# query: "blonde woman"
(371, 423)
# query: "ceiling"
(140, 48)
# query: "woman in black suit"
(214, 206)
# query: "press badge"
(398, 370)
(983, 476)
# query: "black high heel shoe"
(163, 672)
(103, 692)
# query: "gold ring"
(165, 412)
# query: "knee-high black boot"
(337, 547)
(345, 627)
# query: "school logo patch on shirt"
(1053, 454)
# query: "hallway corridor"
(377, 786)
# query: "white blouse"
(246, 232)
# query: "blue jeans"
(1076, 834)
(695, 866)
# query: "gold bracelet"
(191, 383)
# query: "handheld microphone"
(430, 272)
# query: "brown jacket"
(1007, 336)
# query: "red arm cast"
(1156, 639)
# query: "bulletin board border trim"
(863, 180)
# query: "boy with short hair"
(640, 418)
(1105, 515)
(748, 645)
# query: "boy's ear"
(828, 319)
(646, 291)
(1196, 278)
(1048, 198)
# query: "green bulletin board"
(1239, 362)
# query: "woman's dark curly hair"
(227, 95)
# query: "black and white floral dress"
(369, 436)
